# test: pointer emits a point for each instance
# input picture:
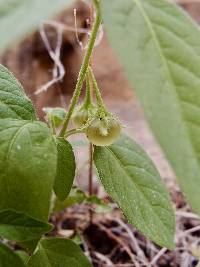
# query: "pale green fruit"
(104, 131)
(82, 114)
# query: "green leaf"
(100, 205)
(13, 101)
(158, 45)
(131, 179)
(66, 167)
(23, 255)
(76, 196)
(29, 246)
(20, 227)
(20, 17)
(56, 252)
(9, 258)
(55, 115)
(77, 239)
(27, 167)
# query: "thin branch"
(104, 259)
(135, 245)
(192, 230)
(82, 73)
(76, 31)
(157, 256)
(121, 242)
(58, 70)
(90, 177)
(186, 214)
(65, 27)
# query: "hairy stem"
(88, 97)
(90, 177)
(83, 71)
(74, 131)
(96, 89)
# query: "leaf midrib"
(138, 188)
(166, 69)
(9, 152)
(29, 226)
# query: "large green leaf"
(158, 45)
(19, 17)
(30, 245)
(54, 252)
(20, 227)
(23, 255)
(9, 258)
(131, 179)
(65, 169)
(27, 167)
(13, 101)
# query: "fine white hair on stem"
(58, 70)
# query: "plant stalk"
(83, 71)
(96, 89)
(90, 178)
(88, 97)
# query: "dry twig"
(58, 70)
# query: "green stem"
(53, 126)
(88, 97)
(96, 3)
(99, 98)
(74, 131)
(83, 71)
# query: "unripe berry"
(82, 114)
(103, 131)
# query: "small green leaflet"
(20, 227)
(56, 252)
(27, 167)
(9, 258)
(19, 17)
(99, 205)
(66, 167)
(55, 115)
(13, 101)
(76, 196)
(158, 45)
(131, 179)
